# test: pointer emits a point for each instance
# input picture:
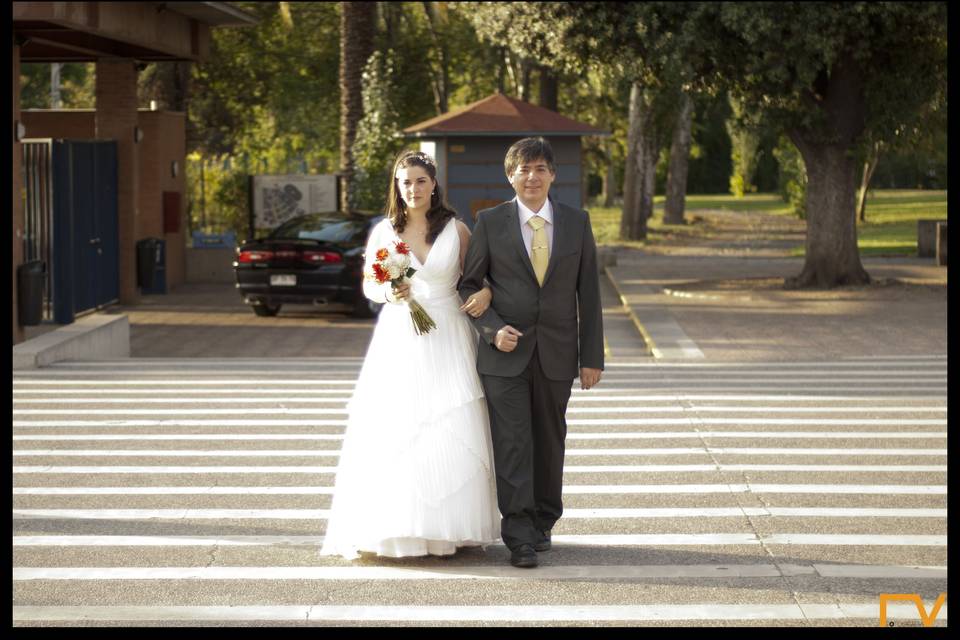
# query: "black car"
(311, 259)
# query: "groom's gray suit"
(528, 388)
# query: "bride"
(416, 475)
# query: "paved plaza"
(752, 457)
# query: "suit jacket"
(562, 319)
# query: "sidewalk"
(726, 301)
(715, 298)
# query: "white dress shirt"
(546, 212)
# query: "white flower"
(402, 261)
(393, 269)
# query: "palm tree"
(358, 24)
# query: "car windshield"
(338, 231)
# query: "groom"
(544, 323)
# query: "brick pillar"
(116, 117)
(17, 187)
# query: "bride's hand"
(399, 293)
(478, 303)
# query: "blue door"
(85, 237)
(107, 288)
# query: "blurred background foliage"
(267, 101)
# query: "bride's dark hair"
(439, 211)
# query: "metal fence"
(38, 212)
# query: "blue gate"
(85, 267)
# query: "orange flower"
(380, 274)
(383, 254)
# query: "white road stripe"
(177, 423)
(342, 403)
(931, 360)
(767, 421)
(573, 514)
(833, 468)
(855, 489)
(642, 540)
(53, 376)
(581, 572)
(145, 366)
(225, 392)
(611, 421)
(174, 470)
(165, 453)
(741, 409)
(608, 435)
(327, 453)
(196, 436)
(577, 396)
(928, 357)
(777, 435)
(181, 381)
(616, 489)
(897, 392)
(182, 412)
(509, 614)
(589, 410)
(649, 468)
(290, 368)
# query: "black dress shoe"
(544, 543)
(524, 556)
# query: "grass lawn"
(890, 228)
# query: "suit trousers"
(528, 427)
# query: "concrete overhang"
(147, 31)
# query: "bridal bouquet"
(393, 266)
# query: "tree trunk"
(358, 21)
(285, 15)
(392, 14)
(630, 165)
(832, 258)
(526, 67)
(55, 100)
(166, 82)
(679, 163)
(548, 89)
(638, 180)
(649, 144)
(608, 182)
(441, 76)
(503, 62)
(873, 158)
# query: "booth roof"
(501, 115)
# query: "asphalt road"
(193, 492)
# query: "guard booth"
(71, 223)
(469, 146)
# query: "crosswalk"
(172, 492)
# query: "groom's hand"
(506, 339)
(589, 377)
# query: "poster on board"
(277, 199)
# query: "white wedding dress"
(415, 475)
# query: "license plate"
(283, 281)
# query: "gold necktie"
(539, 250)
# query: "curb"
(671, 341)
(94, 337)
(647, 338)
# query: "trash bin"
(147, 250)
(159, 270)
(30, 292)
